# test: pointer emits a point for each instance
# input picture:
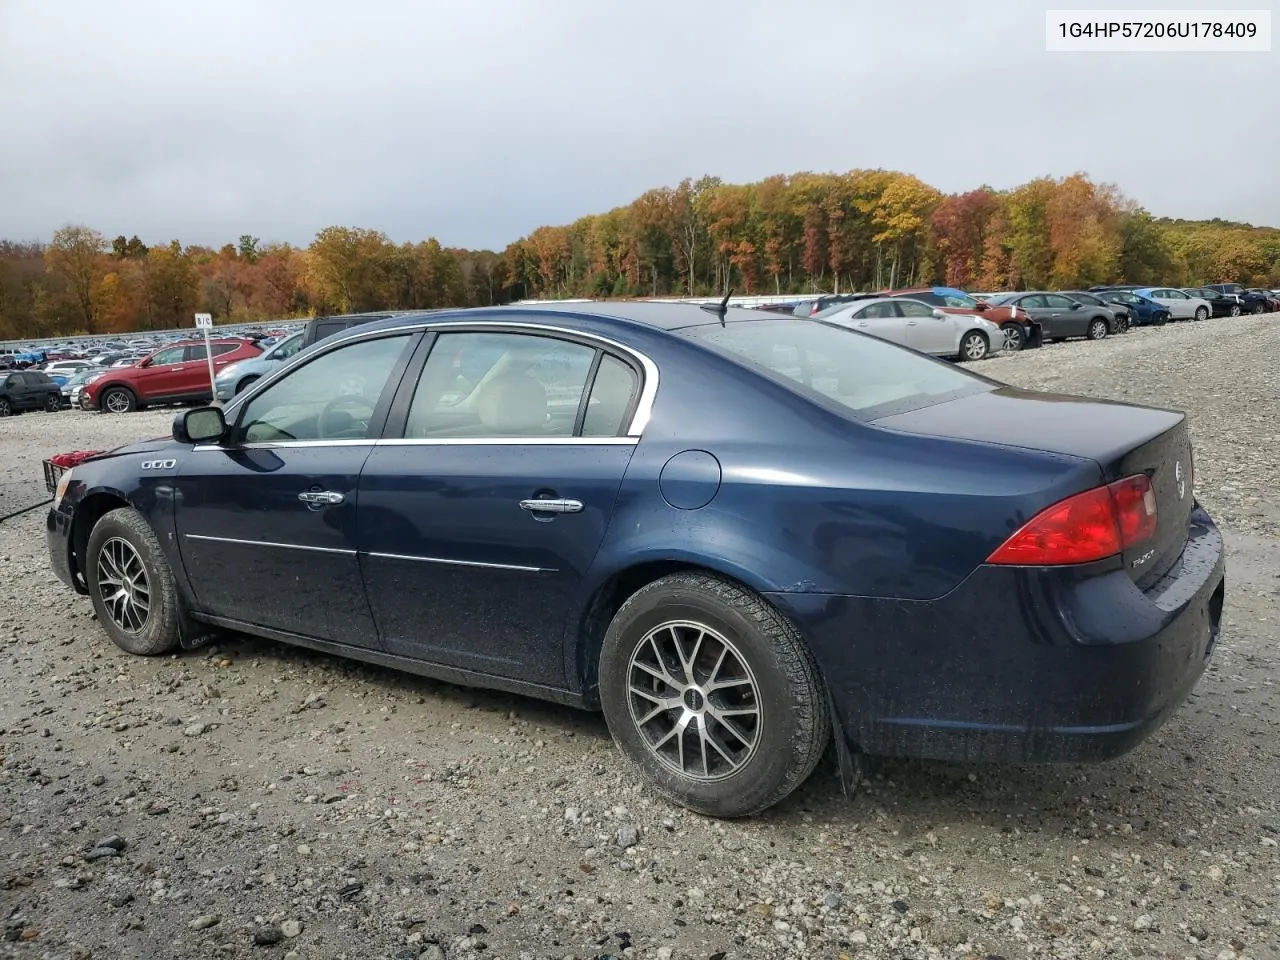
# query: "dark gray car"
(1061, 316)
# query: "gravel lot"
(249, 799)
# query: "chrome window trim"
(648, 388)
(270, 543)
(459, 563)
(429, 442)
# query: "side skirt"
(456, 675)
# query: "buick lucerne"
(743, 537)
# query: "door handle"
(861, 323)
(551, 506)
(322, 497)
(911, 323)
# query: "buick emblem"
(1180, 480)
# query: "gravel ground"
(249, 799)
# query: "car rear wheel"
(1013, 337)
(119, 400)
(712, 693)
(1097, 329)
(974, 346)
(1202, 313)
(240, 387)
(53, 402)
(131, 584)
(1259, 308)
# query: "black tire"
(6, 408)
(1259, 308)
(1202, 313)
(117, 400)
(1161, 319)
(1097, 329)
(1014, 337)
(53, 403)
(974, 346)
(783, 685)
(245, 382)
(159, 630)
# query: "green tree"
(75, 255)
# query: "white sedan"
(1181, 306)
(919, 326)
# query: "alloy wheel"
(1013, 338)
(117, 401)
(123, 583)
(694, 700)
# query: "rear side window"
(863, 375)
(610, 400)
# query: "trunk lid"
(1123, 439)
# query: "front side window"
(331, 398)
(172, 355)
(956, 300)
(933, 298)
(500, 385)
(911, 308)
(864, 375)
(287, 348)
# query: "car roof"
(639, 315)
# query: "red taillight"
(1093, 525)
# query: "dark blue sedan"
(742, 536)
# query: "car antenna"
(721, 308)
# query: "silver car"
(234, 378)
(919, 326)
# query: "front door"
(479, 523)
(1068, 316)
(880, 320)
(267, 519)
(928, 333)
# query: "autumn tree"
(75, 255)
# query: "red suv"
(173, 374)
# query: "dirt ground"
(251, 799)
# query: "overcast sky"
(476, 121)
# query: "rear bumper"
(1021, 665)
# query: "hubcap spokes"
(694, 700)
(117, 402)
(123, 583)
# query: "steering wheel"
(346, 427)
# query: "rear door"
(195, 379)
(19, 392)
(478, 524)
(267, 520)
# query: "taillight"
(1088, 526)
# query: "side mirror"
(940, 314)
(201, 425)
(1075, 306)
(983, 305)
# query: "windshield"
(864, 375)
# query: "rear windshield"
(855, 372)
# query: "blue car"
(741, 536)
(1143, 310)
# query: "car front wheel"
(974, 346)
(713, 694)
(1202, 313)
(1097, 329)
(119, 400)
(132, 585)
(1012, 337)
(6, 408)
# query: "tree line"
(806, 232)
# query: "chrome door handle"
(551, 506)
(911, 323)
(326, 497)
